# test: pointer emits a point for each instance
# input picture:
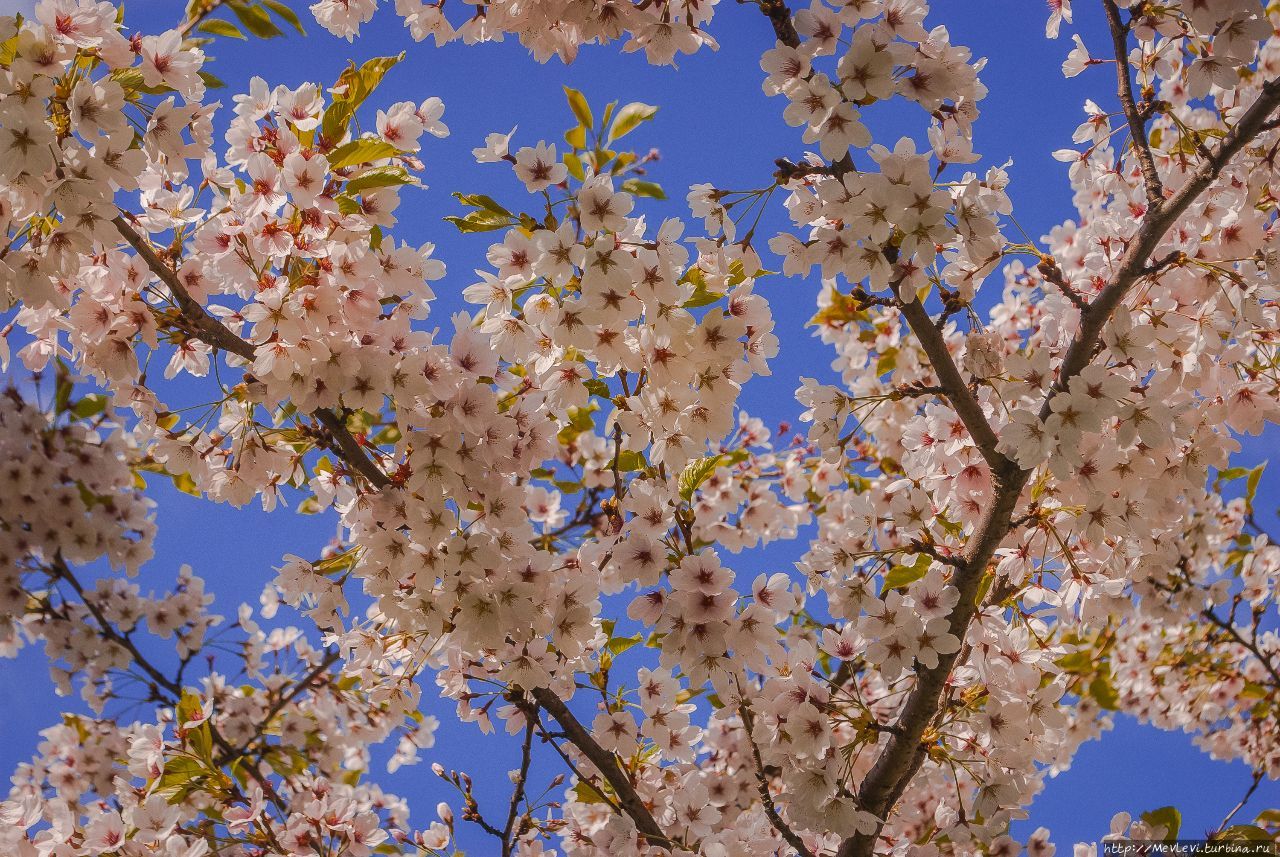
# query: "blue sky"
(715, 126)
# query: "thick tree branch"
(1137, 123)
(780, 17)
(605, 763)
(953, 384)
(904, 753)
(207, 328)
(217, 335)
(1154, 225)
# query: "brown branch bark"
(605, 763)
(1264, 658)
(214, 333)
(1124, 89)
(904, 753)
(517, 793)
(62, 571)
(762, 786)
(953, 385)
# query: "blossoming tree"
(1008, 525)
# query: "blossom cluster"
(1010, 523)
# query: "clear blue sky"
(715, 126)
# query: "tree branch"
(217, 335)
(605, 763)
(517, 794)
(780, 17)
(953, 384)
(904, 753)
(1154, 225)
(1264, 658)
(1137, 123)
(762, 786)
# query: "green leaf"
(256, 20)
(596, 387)
(202, 742)
(576, 137)
(130, 80)
(630, 460)
(586, 793)
(288, 15)
(618, 645)
(637, 187)
(377, 177)
(902, 576)
(354, 86)
(574, 164)
(1243, 833)
(1105, 694)
(696, 473)
(1076, 663)
(479, 200)
(1251, 484)
(184, 483)
(1253, 690)
(212, 81)
(984, 586)
(1167, 817)
(578, 104)
(179, 771)
(701, 296)
(887, 362)
(219, 27)
(360, 151)
(91, 405)
(188, 706)
(480, 221)
(62, 392)
(609, 110)
(629, 118)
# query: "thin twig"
(1137, 125)
(762, 786)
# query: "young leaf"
(219, 27)
(1251, 484)
(287, 14)
(1167, 817)
(379, 177)
(479, 200)
(576, 137)
(212, 81)
(629, 118)
(481, 221)
(91, 405)
(901, 576)
(574, 165)
(256, 20)
(360, 152)
(695, 473)
(636, 187)
(578, 104)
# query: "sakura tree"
(1006, 524)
